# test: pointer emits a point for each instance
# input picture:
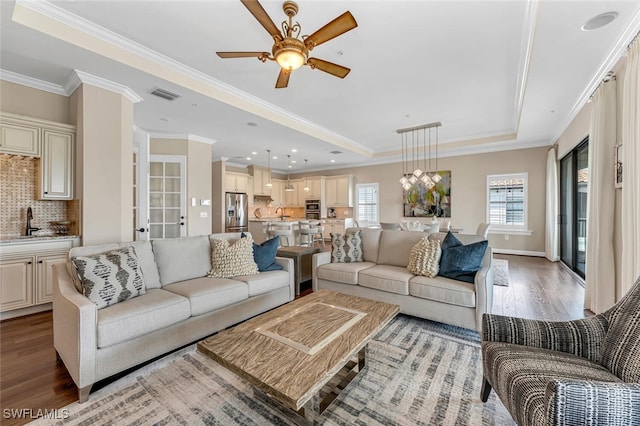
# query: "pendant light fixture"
(306, 172)
(269, 184)
(410, 146)
(289, 187)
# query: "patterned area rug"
(418, 373)
(501, 272)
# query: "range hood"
(266, 198)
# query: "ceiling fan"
(290, 51)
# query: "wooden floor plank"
(32, 378)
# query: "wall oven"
(312, 209)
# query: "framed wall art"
(618, 165)
(420, 201)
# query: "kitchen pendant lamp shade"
(269, 184)
(306, 172)
(289, 187)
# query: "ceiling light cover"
(599, 21)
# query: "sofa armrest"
(287, 265)
(581, 337)
(484, 287)
(318, 259)
(75, 320)
(574, 402)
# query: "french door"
(573, 207)
(167, 196)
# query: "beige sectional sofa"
(383, 276)
(181, 305)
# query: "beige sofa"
(181, 305)
(384, 276)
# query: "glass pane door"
(166, 197)
(582, 184)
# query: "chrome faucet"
(281, 213)
(29, 219)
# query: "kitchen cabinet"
(19, 139)
(56, 166)
(332, 226)
(236, 182)
(316, 188)
(261, 177)
(277, 192)
(339, 191)
(26, 274)
(295, 198)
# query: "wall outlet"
(506, 236)
(193, 202)
(203, 214)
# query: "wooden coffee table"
(293, 351)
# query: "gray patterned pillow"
(109, 278)
(232, 259)
(346, 248)
(425, 258)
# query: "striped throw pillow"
(346, 248)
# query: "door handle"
(140, 229)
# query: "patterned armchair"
(582, 372)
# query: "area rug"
(418, 373)
(501, 272)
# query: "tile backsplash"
(18, 189)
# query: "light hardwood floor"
(32, 378)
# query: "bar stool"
(308, 232)
(281, 229)
(319, 235)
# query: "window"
(367, 202)
(507, 201)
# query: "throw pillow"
(232, 259)
(265, 255)
(424, 258)
(460, 262)
(109, 278)
(346, 248)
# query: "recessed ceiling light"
(249, 158)
(294, 150)
(293, 161)
(254, 153)
(252, 124)
(599, 21)
(290, 166)
(275, 157)
(332, 161)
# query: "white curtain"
(600, 278)
(631, 169)
(551, 238)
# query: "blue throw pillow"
(461, 262)
(265, 255)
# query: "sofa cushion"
(110, 278)
(424, 258)
(265, 282)
(523, 373)
(345, 273)
(370, 243)
(139, 316)
(231, 259)
(395, 247)
(393, 279)
(461, 262)
(180, 259)
(265, 255)
(346, 248)
(146, 260)
(444, 290)
(208, 294)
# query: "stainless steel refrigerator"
(236, 212)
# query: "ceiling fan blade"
(329, 67)
(338, 26)
(283, 79)
(240, 54)
(260, 14)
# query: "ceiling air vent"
(335, 152)
(164, 94)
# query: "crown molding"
(619, 50)
(56, 22)
(77, 77)
(32, 82)
(186, 136)
(526, 52)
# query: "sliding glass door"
(573, 207)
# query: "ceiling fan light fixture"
(291, 54)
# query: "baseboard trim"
(519, 252)
(25, 311)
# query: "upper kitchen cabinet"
(237, 182)
(261, 177)
(295, 198)
(52, 142)
(56, 166)
(339, 191)
(316, 188)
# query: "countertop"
(21, 239)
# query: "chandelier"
(410, 142)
